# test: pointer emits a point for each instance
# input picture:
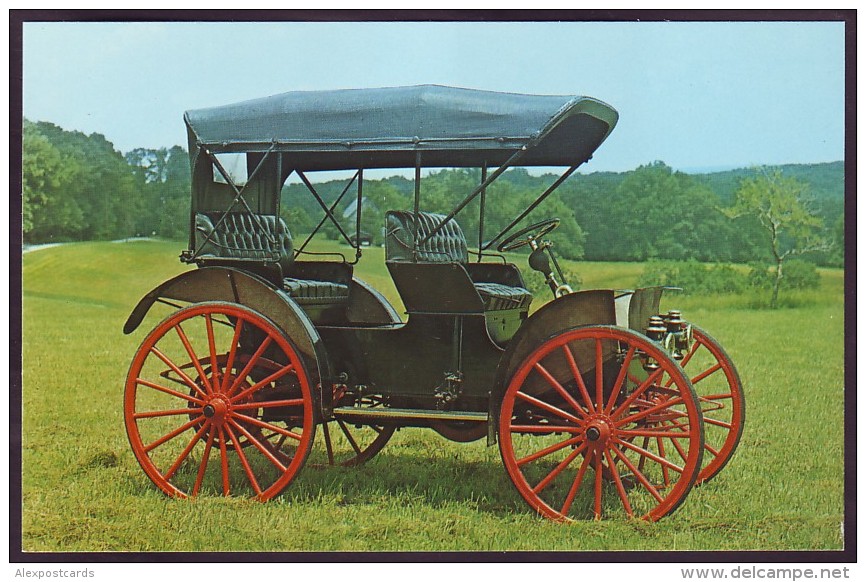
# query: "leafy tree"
(778, 203)
(657, 213)
(47, 212)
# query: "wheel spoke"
(545, 429)
(649, 455)
(258, 445)
(665, 472)
(158, 413)
(619, 486)
(679, 448)
(727, 396)
(224, 462)
(714, 452)
(640, 476)
(569, 356)
(559, 388)
(185, 453)
(261, 424)
(617, 386)
(349, 437)
(687, 358)
(329, 449)
(550, 408)
(652, 410)
(706, 373)
(169, 391)
(598, 481)
(599, 376)
(179, 430)
(714, 422)
(269, 404)
(186, 379)
(204, 459)
(575, 485)
(250, 365)
(655, 433)
(211, 345)
(260, 384)
(622, 408)
(193, 358)
(243, 458)
(233, 349)
(558, 469)
(549, 450)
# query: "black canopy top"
(386, 128)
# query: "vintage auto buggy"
(600, 404)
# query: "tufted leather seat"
(446, 246)
(310, 292)
(262, 238)
(497, 296)
(243, 236)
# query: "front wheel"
(217, 400)
(600, 421)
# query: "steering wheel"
(519, 238)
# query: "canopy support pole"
(416, 221)
(508, 163)
(532, 206)
(481, 211)
(358, 215)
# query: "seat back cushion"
(243, 236)
(446, 246)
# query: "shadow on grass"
(392, 479)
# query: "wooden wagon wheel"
(206, 413)
(589, 403)
(721, 397)
(350, 444)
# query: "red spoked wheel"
(721, 397)
(579, 427)
(217, 400)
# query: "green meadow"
(84, 491)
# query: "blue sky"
(694, 95)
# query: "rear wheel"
(217, 400)
(350, 444)
(580, 427)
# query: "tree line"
(79, 187)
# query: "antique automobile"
(601, 405)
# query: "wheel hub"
(216, 410)
(599, 432)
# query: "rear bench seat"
(257, 239)
(446, 246)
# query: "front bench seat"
(259, 239)
(446, 246)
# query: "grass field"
(84, 491)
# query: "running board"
(408, 413)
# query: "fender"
(235, 286)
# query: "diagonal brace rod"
(325, 218)
(324, 206)
(532, 207)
